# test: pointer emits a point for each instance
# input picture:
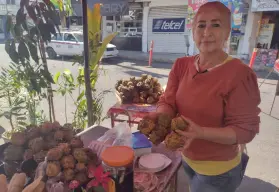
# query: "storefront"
(128, 26)
(267, 38)
(166, 27)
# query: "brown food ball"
(150, 100)
(54, 154)
(46, 127)
(142, 100)
(164, 120)
(143, 94)
(31, 132)
(59, 135)
(155, 139)
(68, 174)
(80, 155)
(68, 126)
(56, 125)
(145, 126)
(68, 134)
(174, 141)
(13, 153)
(92, 156)
(68, 162)
(81, 177)
(179, 123)
(37, 144)
(50, 144)
(18, 138)
(80, 167)
(76, 142)
(65, 148)
(28, 154)
(40, 156)
(161, 131)
(53, 169)
(136, 100)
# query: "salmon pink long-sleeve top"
(226, 96)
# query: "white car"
(70, 43)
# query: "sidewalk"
(157, 57)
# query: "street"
(262, 173)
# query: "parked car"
(70, 43)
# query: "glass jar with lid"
(119, 161)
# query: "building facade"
(166, 23)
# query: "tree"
(26, 42)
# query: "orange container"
(118, 156)
(119, 161)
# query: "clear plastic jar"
(119, 161)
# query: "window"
(57, 37)
(69, 37)
(11, 2)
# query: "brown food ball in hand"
(136, 100)
(179, 123)
(68, 162)
(164, 120)
(155, 139)
(174, 141)
(81, 177)
(54, 154)
(68, 174)
(18, 138)
(53, 169)
(150, 100)
(161, 131)
(80, 155)
(143, 94)
(142, 100)
(40, 156)
(145, 126)
(80, 167)
(37, 144)
(76, 142)
(65, 148)
(28, 154)
(46, 127)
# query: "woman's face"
(210, 31)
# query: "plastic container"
(119, 161)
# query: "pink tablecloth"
(165, 175)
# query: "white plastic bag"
(119, 135)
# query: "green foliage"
(66, 85)
(19, 106)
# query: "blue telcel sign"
(169, 25)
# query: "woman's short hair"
(215, 6)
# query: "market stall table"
(134, 112)
(169, 175)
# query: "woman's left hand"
(194, 131)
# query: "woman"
(219, 97)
